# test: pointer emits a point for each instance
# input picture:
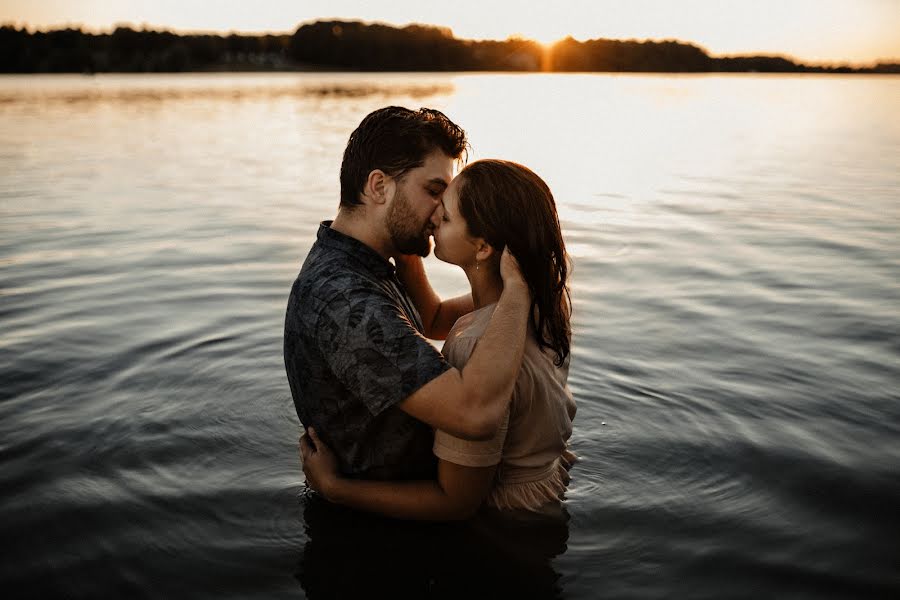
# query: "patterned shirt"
(353, 350)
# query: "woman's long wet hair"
(507, 204)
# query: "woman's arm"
(456, 495)
(438, 316)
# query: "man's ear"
(379, 187)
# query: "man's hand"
(568, 459)
(510, 272)
(319, 463)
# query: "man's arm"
(471, 403)
(438, 316)
(456, 495)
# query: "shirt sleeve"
(373, 350)
(468, 453)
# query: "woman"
(491, 204)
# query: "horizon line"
(258, 33)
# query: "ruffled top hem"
(513, 493)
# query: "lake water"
(736, 354)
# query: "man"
(360, 369)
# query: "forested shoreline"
(356, 46)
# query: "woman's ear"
(378, 187)
(483, 250)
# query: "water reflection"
(130, 88)
(353, 555)
(735, 353)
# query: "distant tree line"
(360, 47)
(129, 50)
(355, 46)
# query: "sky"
(828, 31)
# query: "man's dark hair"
(396, 139)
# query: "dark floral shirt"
(353, 350)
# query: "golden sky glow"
(814, 30)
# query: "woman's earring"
(477, 264)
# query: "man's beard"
(407, 234)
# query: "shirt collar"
(373, 261)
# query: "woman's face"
(452, 242)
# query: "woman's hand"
(319, 463)
(405, 260)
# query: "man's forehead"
(438, 167)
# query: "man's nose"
(437, 215)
